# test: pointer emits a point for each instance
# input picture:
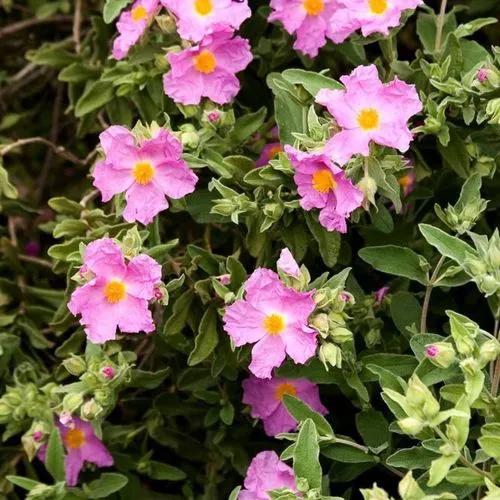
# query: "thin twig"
(77, 22)
(89, 197)
(427, 298)
(440, 25)
(59, 150)
(29, 23)
(35, 260)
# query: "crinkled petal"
(105, 258)
(175, 179)
(143, 273)
(288, 264)
(300, 342)
(267, 353)
(144, 202)
(111, 181)
(244, 323)
(135, 316)
(73, 464)
(260, 395)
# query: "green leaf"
(207, 339)
(306, 455)
(235, 493)
(112, 9)
(373, 428)
(449, 246)
(148, 380)
(164, 472)
(328, 242)
(23, 482)
(96, 95)
(395, 260)
(347, 454)
(247, 125)
(311, 81)
(471, 27)
(464, 475)
(108, 483)
(412, 458)
(301, 411)
(405, 311)
(6, 187)
(54, 461)
(440, 467)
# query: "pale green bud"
(166, 24)
(273, 210)
(430, 408)
(72, 401)
(369, 188)
(90, 409)
(189, 136)
(375, 493)
(411, 426)
(488, 284)
(5, 412)
(441, 354)
(103, 397)
(341, 334)
(75, 365)
(417, 393)
(330, 354)
(489, 351)
(320, 323)
(470, 366)
(322, 298)
(475, 266)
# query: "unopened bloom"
(266, 473)
(132, 24)
(37, 436)
(441, 354)
(368, 110)
(265, 397)
(147, 171)
(108, 372)
(323, 185)
(208, 69)
(371, 16)
(119, 293)
(82, 445)
(482, 75)
(198, 18)
(309, 20)
(275, 318)
(380, 294)
(287, 264)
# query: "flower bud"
(418, 393)
(90, 409)
(189, 136)
(488, 284)
(441, 354)
(320, 323)
(470, 366)
(322, 298)
(166, 24)
(273, 210)
(72, 401)
(330, 354)
(75, 365)
(5, 412)
(411, 425)
(369, 188)
(341, 334)
(489, 351)
(108, 372)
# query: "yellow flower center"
(368, 119)
(285, 388)
(205, 62)
(377, 6)
(139, 13)
(143, 172)
(115, 291)
(405, 181)
(323, 181)
(274, 324)
(314, 7)
(203, 7)
(75, 438)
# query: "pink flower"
(208, 70)
(132, 24)
(288, 264)
(82, 445)
(119, 293)
(380, 294)
(66, 419)
(372, 16)
(224, 279)
(309, 20)
(266, 473)
(323, 185)
(37, 436)
(198, 18)
(482, 75)
(407, 182)
(368, 110)
(268, 153)
(274, 317)
(431, 351)
(146, 172)
(265, 397)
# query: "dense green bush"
(390, 325)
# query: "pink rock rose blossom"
(266, 473)
(275, 319)
(265, 397)
(132, 24)
(82, 445)
(118, 294)
(146, 171)
(371, 16)
(287, 264)
(198, 18)
(323, 185)
(208, 69)
(268, 153)
(308, 20)
(368, 110)
(381, 294)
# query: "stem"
(77, 21)
(440, 25)
(35, 260)
(156, 231)
(89, 197)
(358, 446)
(58, 150)
(428, 292)
(496, 379)
(29, 23)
